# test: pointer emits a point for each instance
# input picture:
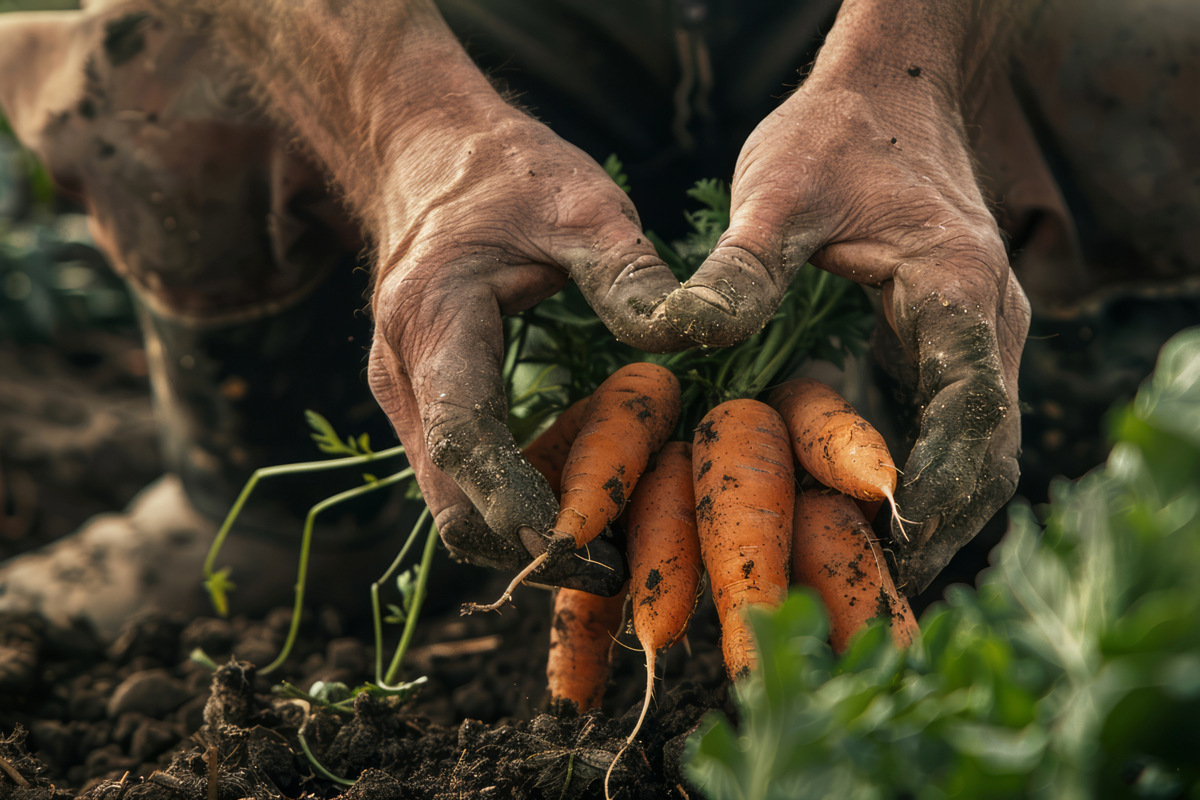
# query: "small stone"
(18, 666)
(214, 636)
(151, 635)
(87, 705)
(53, 742)
(123, 731)
(151, 692)
(152, 738)
(107, 760)
(255, 650)
(191, 714)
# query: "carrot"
(835, 445)
(834, 551)
(548, 452)
(628, 419)
(581, 639)
(664, 556)
(664, 561)
(745, 497)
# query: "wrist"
(898, 50)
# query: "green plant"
(1073, 671)
(559, 351)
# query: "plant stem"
(306, 547)
(410, 624)
(412, 537)
(317, 764)
(285, 469)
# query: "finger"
(740, 285)
(461, 526)
(950, 521)
(963, 466)
(447, 341)
(619, 272)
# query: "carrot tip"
(896, 513)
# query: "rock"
(214, 636)
(191, 714)
(152, 738)
(107, 760)
(151, 692)
(124, 729)
(87, 705)
(255, 649)
(18, 666)
(52, 741)
(151, 635)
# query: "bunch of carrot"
(725, 505)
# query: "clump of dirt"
(141, 720)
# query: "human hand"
(868, 175)
(517, 213)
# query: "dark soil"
(140, 719)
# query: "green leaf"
(331, 692)
(614, 168)
(396, 614)
(219, 586)
(406, 582)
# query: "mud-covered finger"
(620, 273)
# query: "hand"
(507, 212)
(876, 185)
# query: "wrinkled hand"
(878, 187)
(503, 213)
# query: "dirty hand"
(492, 213)
(865, 171)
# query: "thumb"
(740, 285)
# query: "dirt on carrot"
(835, 552)
(628, 419)
(745, 498)
(835, 445)
(582, 636)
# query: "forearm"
(353, 81)
(947, 46)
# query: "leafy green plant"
(1073, 671)
(559, 351)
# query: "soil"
(140, 719)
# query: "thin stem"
(412, 537)
(285, 469)
(410, 624)
(317, 764)
(306, 547)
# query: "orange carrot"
(548, 452)
(834, 551)
(745, 497)
(581, 638)
(664, 556)
(628, 419)
(834, 444)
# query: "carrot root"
(470, 608)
